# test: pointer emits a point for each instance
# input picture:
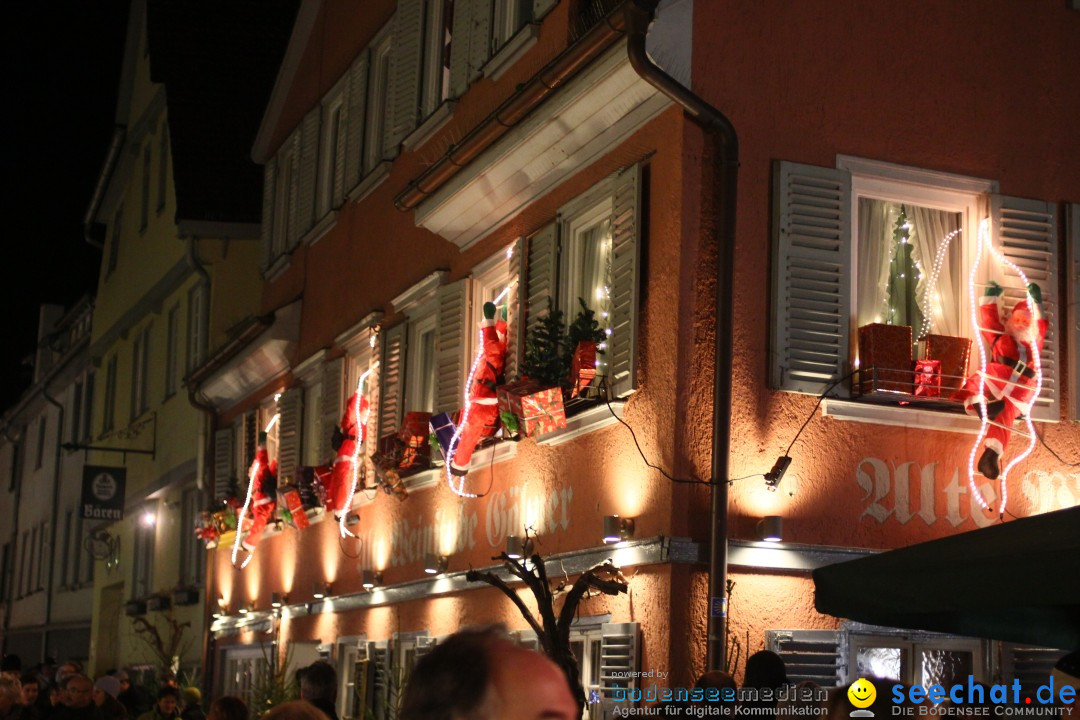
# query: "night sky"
(61, 73)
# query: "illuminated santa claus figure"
(1009, 383)
(348, 440)
(263, 476)
(483, 410)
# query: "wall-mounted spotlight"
(245, 609)
(278, 599)
(771, 528)
(321, 591)
(518, 547)
(352, 518)
(617, 529)
(148, 519)
(435, 564)
(774, 476)
(371, 579)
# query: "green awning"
(1016, 581)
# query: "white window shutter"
(620, 652)
(290, 407)
(1025, 231)
(815, 655)
(378, 654)
(424, 645)
(625, 262)
(354, 134)
(479, 36)
(811, 278)
(267, 230)
(341, 133)
(223, 462)
(391, 380)
(309, 159)
(543, 253)
(291, 151)
(406, 55)
(330, 399)
(452, 342)
(459, 47)
(542, 8)
(514, 335)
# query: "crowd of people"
(478, 674)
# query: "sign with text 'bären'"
(103, 492)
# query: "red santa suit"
(483, 402)
(1009, 381)
(353, 429)
(263, 497)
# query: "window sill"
(511, 51)
(433, 124)
(277, 268)
(908, 417)
(371, 181)
(322, 227)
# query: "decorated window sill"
(865, 410)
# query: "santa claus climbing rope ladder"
(1006, 385)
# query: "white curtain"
(876, 220)
(929, 229)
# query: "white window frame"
(417, 370)
(142, 556)
(266, 412)
(490, 278)
(108, 410)
(163, 167)
(508, 18)
(910, 647)
(378, 101)
(435, 68)
(140, 366)
(192, 553)
(172, 350)
(243, 669)
(333, 133)
(287, 162)
(144, 200)
(39, 441)
(350, 651)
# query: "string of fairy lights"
(253, 473)
(354, 459)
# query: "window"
(420, 361)
(874, 242)
(586, 267)
(196, 339)
(33, 561)
(23, 558)
(140, 361)
(66, 555)
(435, 73)
(76, 411)
(144, 202)
(6, 573)
(172, 350)
(17, 451)
(331, 183)
(509, 16)
(163, 167)
(914, 659)
(142, 567)
(192, 554)
(108, 421)
(114, 241)
(375, 145)
(88, 405)
(243, 670)
(284, 196)
(43, 557)
(39, 455)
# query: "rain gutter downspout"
(55, 512)
(111, 160)
(720, 132)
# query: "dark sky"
(60, 77)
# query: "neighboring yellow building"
(174, 279)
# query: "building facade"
(47, 574)
(423, 158)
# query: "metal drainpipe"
(55, 514)
(111, 159)
(719, 130)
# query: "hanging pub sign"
(103, 492)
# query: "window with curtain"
(909, 267)
(586, 265)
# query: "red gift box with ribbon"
(928, 378)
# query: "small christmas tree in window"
(904, 276)
(544, 355)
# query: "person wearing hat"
(106, 689)
(192, 701)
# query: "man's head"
(482, 674)
(31, 686)
(167, 699)
(78, 691)
(318, 681)
(10, 693)
(125, 681)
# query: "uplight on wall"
(278, 599)
(321, 590)
(371, 579)
(617, 529)
(518, 547)
(771, 528)
(435, 564)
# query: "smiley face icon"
(862, 693)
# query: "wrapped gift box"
(311, 484)
(582, 367)
(953, 353)
(289, 500)
(415, 445)
(225, 520)
(537, 409)
(928, 378)
(442, 427)
(390, 481)
(885, 358)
